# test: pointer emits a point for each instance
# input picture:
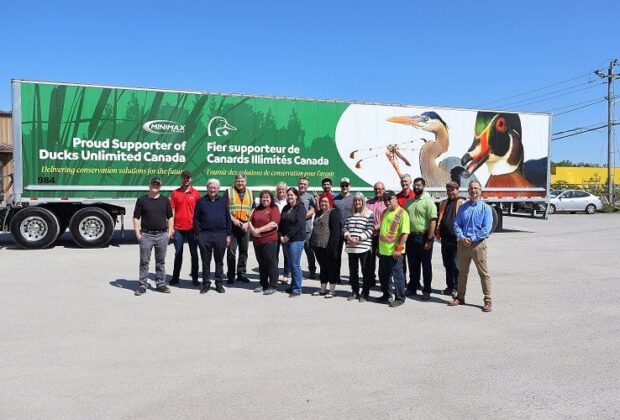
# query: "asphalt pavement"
(76, 343)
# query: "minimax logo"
(163, 127)
(219, 127)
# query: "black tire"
(551, 209)
(91, 227)
(34, 228)
(496, 217)
(590, 209)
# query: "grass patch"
(609, 208)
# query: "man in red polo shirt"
(326, 183)
(407, 193)
(183, 201)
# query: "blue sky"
(457, 53)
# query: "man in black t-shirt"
(153, 224)
(445, 232)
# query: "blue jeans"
(392, 269)
(179, 239)
(293, 251)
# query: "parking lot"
(76, 343)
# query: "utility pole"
(610, 76)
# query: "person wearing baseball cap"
(393, 234)
(183, 202)
(153, 225)
(344, 203)
(444, 231)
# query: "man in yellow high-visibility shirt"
(393, 235)
(240, 204)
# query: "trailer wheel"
(91, 227)
(496, 219)
(34, 228)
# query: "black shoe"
(173, 282)
(294, 295)
(195, 282)
(396, 303)
(354, 296)
(243, 279)
(288, 290)
(363, 298)
(163, 289)
(140, 291)
(205, 289)
(384, 298)
(409, 292)
(230, 281)
(220, 289)
(426, 296)
(447, 291)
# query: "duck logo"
(219, 127)
(163, 127)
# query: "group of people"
(396, 229)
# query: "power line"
(575, 104)
(582, 132)
(577, 128)
(535, 90)
(529, 101)
(579, 107)
(564, 89)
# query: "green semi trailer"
(82, 150)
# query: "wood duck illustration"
(436, 175)
(497, 143)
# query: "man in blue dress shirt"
(472, 226)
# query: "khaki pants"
(477, 253)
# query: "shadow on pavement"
(504, 230)
(130, 285)
(65, 240)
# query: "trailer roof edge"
(291, 98)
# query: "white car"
(575, 200)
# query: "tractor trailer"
(81, 150)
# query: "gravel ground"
(76, 343)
